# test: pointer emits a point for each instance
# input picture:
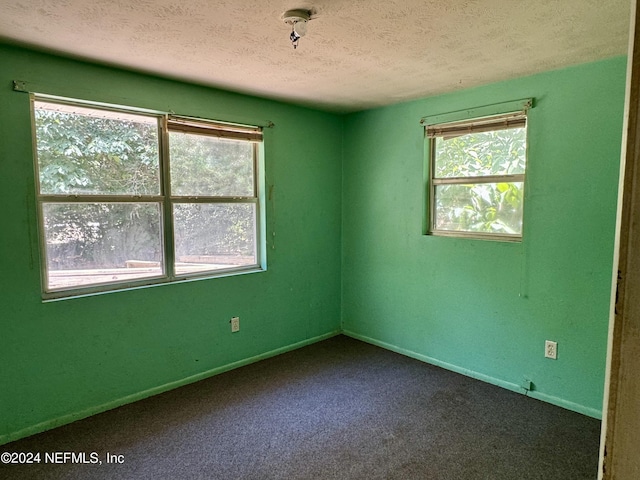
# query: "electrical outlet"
(235, 324)
(551, 349)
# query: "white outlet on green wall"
(235, 324)
(551, 349)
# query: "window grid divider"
(509, 178)
(168, 250)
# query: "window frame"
(165, 199)
(207, 128)
(490, 114)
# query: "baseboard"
(561, 402)
(514, 387)
(72, 417)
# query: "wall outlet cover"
(235, 324)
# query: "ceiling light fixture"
(298, 20)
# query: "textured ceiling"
(357, 53)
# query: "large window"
(476, 177)
(127, 198)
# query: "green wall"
(67, 359)
(480, 307)
(344, 226)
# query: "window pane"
(499, 152)
(90, 151)
(485, 207)
(92, 243)
(210, 166)
(214, 236)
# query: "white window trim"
(479, 118)
(166, 122)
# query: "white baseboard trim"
(514, 387)
(72, 417)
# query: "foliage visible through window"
(477, 177)
(110, 215)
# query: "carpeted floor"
(339, 409)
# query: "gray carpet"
(339, 409)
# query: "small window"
(127, 199)
(477, 176)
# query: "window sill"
(496, 237)
(102, 289)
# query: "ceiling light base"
(291, 17)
